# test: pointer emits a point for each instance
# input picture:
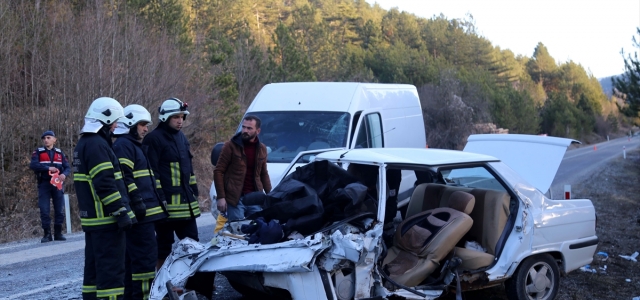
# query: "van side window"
(370, 134)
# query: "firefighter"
(142, 251)
(46, 161)
(170, 158)
(103, 202)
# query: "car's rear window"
(472, 177)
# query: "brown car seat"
(490, 218)
(490, 214)
(424, 239)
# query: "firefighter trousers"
(166, 229)
(104, 254)
(142, 254)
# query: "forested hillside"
(607, 85)
(56, 56)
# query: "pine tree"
(627, 87)
(286, 61)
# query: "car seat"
(490, 214)
(424, 239)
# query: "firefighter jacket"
(138, 176)
(228, 176)
(42, 159)
(98, 182)
(170, 158)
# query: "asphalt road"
(582, 162)
(31, 270)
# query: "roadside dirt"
(615, 193)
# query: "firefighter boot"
(47, 236)
(57, 235)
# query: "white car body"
(310, 268)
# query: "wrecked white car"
(408, 223)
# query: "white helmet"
(133, 114)
(102, 111)
(171, 107)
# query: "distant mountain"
(607, 86)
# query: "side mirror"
(215, 153)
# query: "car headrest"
(462, 201)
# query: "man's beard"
(246, 137)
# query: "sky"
(588, 32)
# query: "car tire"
(537, 277)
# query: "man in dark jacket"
(45, 161)
(103, 202)
(241, 169)
(170, 159)
(142, 248)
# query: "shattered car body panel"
(287, 265)
(517, 223)
(227, 253)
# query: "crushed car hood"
(535, 158)
(229, 254)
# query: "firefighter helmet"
(102, 111)
(133, 114)
(171, 107)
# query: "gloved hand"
(194, 188)
(163, 202)
(220, 221)
(124, 222)
(138, 207)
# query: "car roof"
(421, 156)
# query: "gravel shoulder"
(615, 192)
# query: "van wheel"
(537, 277)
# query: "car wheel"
(537, 277)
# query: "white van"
(303, 116)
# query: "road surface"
(581, 162)
(32, 270)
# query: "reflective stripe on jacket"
(98, 182)
(170, 158)
(138, 176)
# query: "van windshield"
(287, 133)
